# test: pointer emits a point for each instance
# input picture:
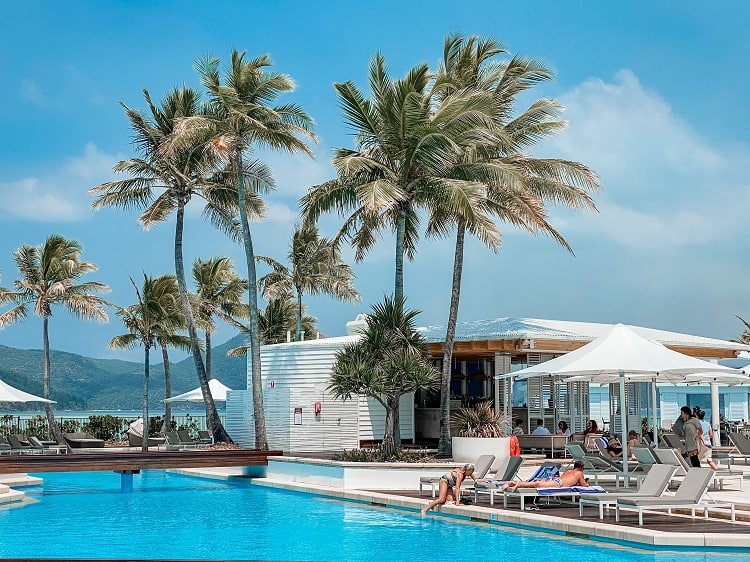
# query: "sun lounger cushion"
(569, 489)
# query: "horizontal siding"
(297, 377)
(239, 418)
(372, 418)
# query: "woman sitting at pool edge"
(450, 486)
(572, 477)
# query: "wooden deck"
(133, 461)
(658, 521)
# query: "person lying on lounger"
(572, 477)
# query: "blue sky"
(656, 103)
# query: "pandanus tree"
(316, 268)
(386, 363)
(163, 180)
(50, 275)
(516, 188)
(154, 320)
(404, 150)
(218, 293)
(243, 119)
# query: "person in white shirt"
(540, 429)
(562, 428)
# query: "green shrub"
(191, 425)
(70, 426)
(7, 424)
(38, 426)
(378, 455)
(480, 421)
(106, 427)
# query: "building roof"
(529, 328)
(507, 328)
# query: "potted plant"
(481, 430)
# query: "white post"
(288, 336)
(653, 401)
(715, 424)
(624, 422)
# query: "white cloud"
(29, 199)
(59, 195)
(663, 183)
(30, 91)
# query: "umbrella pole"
(623, 422)
(653, 401)
(715, 425)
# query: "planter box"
(469, 449)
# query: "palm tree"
(404, 149)
(386, 363)
(164, 180)
(154, 320)
(275, 323)
(745, 335)
(243, 119)
(218, 293)
(316, 268)
(517, 187)
(50, 276)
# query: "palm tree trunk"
(53, 427)
(144, 437)
(213, 421)
(298, 334)
(208, 355)
(261, 439)
(444, 444)
(398, 292)
(167, 423)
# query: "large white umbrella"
(620, 355)
(217, 388)
(11, 394)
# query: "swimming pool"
(85, 515)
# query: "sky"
(656, 104)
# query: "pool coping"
(600, 532)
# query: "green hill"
(83, 383)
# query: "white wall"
(295, 376)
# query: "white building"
(302, 416)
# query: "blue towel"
(579, 489)
(545, 473)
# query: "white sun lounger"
(653, 485)
(571, 492)
(481, 468)
(688, 496)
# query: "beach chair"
(675, 458)
(491, 486)
(17, 446)
(174, 442)
(672, 441)
(654, 484)
(481, 468)
(38, 446)
(204, 437)
(559, 494)
(600, 463)
(689, 495)
(742, 444)
(4, 446)
(185, 439)
(548, 469)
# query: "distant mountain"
(83, 383)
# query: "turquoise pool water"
(85, 515)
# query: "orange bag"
(515, 447)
